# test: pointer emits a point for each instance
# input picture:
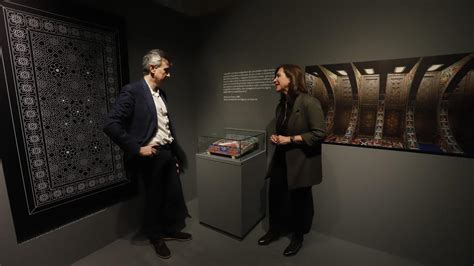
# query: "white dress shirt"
(163, 134)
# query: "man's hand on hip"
(148, 151)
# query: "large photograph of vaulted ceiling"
(59, 78)
(423, 104)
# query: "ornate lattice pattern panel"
(380, 120)
(66, 77)
(426, 108)
(396, 92)
(343, 97)
(369, 95)
(427, 91)
(410, 135)
(352, 126)
(461, 110)
(343, 92)
(369, 91)
(449, 143)
(367, 120)
(310, 83)
(393, 123)
(315, 87)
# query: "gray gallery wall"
(417, 206)
(148, 26)
(263, 34)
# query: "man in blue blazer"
(140, 124)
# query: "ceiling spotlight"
(342, 72)
(399, 69)
(435, 67)
(369, 71)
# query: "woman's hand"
(280, 140)
(274, 139)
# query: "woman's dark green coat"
(303, 160)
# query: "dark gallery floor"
(213, 248)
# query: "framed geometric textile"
(59, 77)
(422, 104)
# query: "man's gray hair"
(153, 58)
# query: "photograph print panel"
(422, 104)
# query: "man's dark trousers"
(165, 209)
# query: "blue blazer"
(132, 122)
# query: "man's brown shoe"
(180, 236)
(161, 249)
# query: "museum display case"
(230, 172)
(232, 142)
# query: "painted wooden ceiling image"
(419, 104)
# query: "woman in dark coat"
(296, 163)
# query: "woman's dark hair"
(297, 81)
